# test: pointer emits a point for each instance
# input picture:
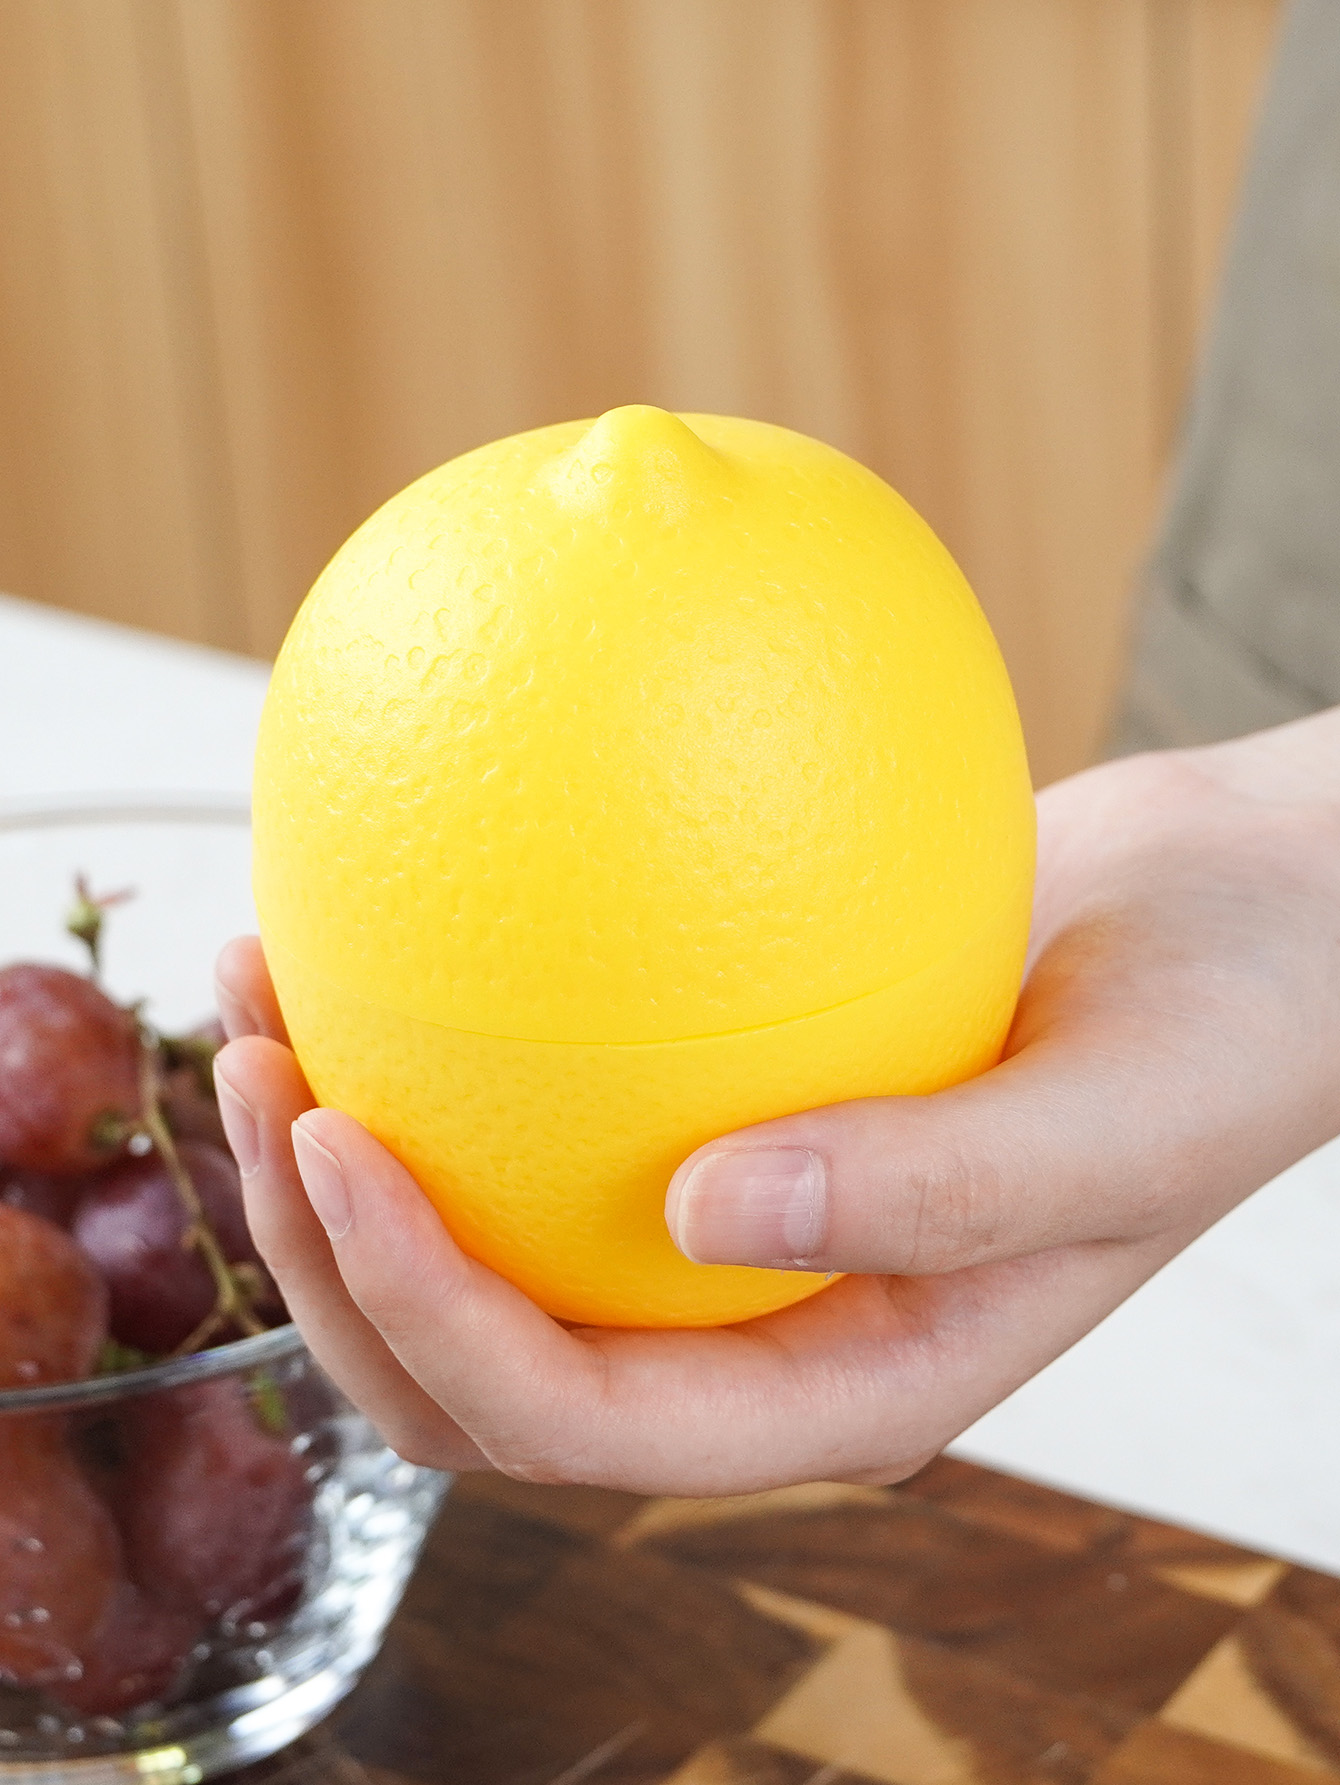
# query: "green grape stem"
(267, 1403)
(85, 919)
(233, 1295)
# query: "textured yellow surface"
(549, 1160)
(621, 783)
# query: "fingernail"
(240, 1126)
(323, 1180)
(762, 1207)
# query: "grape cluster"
(127, 1538)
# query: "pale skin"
(1176, 1045)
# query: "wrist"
(1294, 764)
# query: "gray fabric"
(1242, 628)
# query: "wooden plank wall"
(261, 264)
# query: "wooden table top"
(962, 1629)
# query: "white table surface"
(1212, 1398)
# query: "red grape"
(60, 1558)
(136, 1653)
(53, 1304)
(133, 1225)
(214, 1507)
(71, 1622)
(191, 1115)
(41, 1193)
(187, 1088)
(69, 1071)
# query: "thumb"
(1040, 1152)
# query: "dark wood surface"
(962, 1629)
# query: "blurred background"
(264, 261)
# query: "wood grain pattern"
(1065, 1623)
(1184, 1559)
(1159, 1755)
(264, 264)
(963, 1629)
(581, 1668)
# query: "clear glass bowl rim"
(202, 1366)
(157, 807)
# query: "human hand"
(1177, 1044)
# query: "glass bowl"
(236, 1534)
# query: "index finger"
(261, 1093)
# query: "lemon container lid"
(637, 730)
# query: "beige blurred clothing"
(1242, 627)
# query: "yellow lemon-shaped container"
(619, 784)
